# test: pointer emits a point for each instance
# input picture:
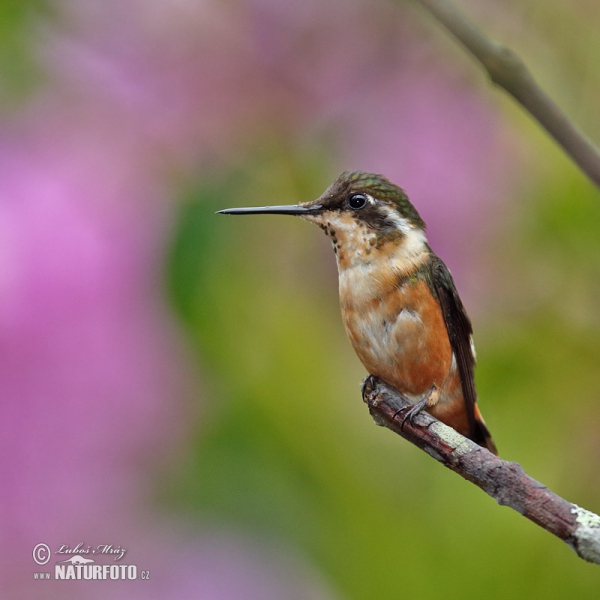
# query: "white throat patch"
(365, 263)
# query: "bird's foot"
(368, 386)
(413, 410)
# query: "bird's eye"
(356, 201)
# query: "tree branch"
(508, 71)
(504, 481)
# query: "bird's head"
(361, 213)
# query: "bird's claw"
(368, 386)
(411, 411)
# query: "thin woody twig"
(507, 70)
(505, 481)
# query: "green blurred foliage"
(288, 450)
(20, 24)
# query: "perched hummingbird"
(399, 304)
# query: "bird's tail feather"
(482, 435)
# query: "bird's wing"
(459, 330)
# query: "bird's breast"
(397, 330)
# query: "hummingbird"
(400, 307)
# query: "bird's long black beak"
(272, 210)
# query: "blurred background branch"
(506, 69)
(504, 481)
